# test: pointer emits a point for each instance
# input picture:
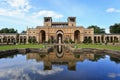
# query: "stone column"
(37, 38)
(19, 39)
(62, 39)
(27, 37)
(1, 39)
(119, 39)
(104, 39)
(10, 40)
(112, 38)
(46, 37)
(7, 40)
(72, 37)
(100, 39)
(97, 39)
(15, 38)
(81, 37)
(40, 39)
(92, 37)
(109, 39)
(22, 39)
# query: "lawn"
(111, 47)
(8, 47)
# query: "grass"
(110, 47)
(8, 47)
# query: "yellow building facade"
(60, 31)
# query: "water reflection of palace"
(53, 58)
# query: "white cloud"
(18, 13)
(111, 10)
(107, 30)
(6, 12)
(19, 73)
(48, 13)
(49, 72)
(113, 75)
(15, 8)
(14, 74)
(19, 4)
(19, 8)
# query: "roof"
(39, 26)
(59, 22)
(9, 33)
(71, 17)
(22, 33)
(105, 34)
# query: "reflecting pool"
(59, 64)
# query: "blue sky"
(19, 14)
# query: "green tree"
(97, 29)
(115, 28)
(32, 40)
(49, 40)
(23, 32)
(70, 40)
(87, 40)
(8, 30)
(17, 38)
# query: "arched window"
(77, 36)
(43, 36)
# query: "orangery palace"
(58, 32)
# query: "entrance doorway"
(43, 34)
(77, 36)
(59, 37)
